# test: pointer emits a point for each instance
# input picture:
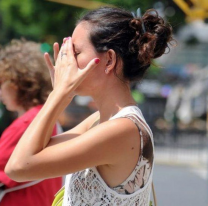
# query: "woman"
(24, 87)
(108, 49)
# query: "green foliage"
(36, 20)
(45, 21)
(138, 96)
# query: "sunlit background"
(173, 96)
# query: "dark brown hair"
(117, 29)
(23, 64)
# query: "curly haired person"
(25, 86)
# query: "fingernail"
(62, 44)
(68, 37)
(97, 60)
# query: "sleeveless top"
(87, 188)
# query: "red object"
(97, 60)
(41, 194)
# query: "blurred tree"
(36, 20)
(45, 21)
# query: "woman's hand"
(51, 68)
(65, 75)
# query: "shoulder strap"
(143, 122)
(138, 121)
(131, 117)
(3, 192)
(154, 194)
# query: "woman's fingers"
(90, 66)
(66, 66)
(65, 39)
(50, 66)
(67, 50)
(66, 53)
(70, 49)
(48, 61)
(55, 51)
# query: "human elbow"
(16, 171)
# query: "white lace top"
(87, 188)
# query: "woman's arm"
(104, 144)
(38, 134)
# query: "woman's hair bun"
(152, 37)
(136, 41)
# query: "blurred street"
(172, 177)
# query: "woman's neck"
(113, 99)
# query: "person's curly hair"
(23, 64)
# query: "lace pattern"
(86, 189)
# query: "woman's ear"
(110, 61)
